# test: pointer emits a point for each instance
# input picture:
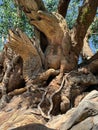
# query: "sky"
(0, 1)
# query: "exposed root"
(17, 91)
(44, 76)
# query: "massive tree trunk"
(49, 62)
(56, 31)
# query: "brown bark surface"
(62, 7)
(58, 52)
(52, 80)
(85, 18)
(22, 45)
(86, 51)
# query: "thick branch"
(54, 27)
(48, 23)
(63, 6)
(85, 18)
(33, 5)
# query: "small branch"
(62, 7)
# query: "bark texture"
(32, 61)
(85, 18)
(57, 33)
(40, 82)
(86, 51)
(63, 6)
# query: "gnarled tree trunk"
(50, 60)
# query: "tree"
(12, 17)
(51, 57)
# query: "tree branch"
(85, 18)
(63, 6)
(86, 51)
(34, 5)
(48, 23)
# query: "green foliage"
(71, 17)
(94, 26)
(1, 45)
(72, 12)
(94, 29)
(51, 5)
(9, 18)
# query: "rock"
(91, 123)
(86, 108)
(87, 124)
(57, 121)
(83, 117)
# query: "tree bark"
(50, 70)
(86, 16)
(61, 52)
(62, 7)
(86, 51)
(92, 64)
(54, 27)
(32, 64)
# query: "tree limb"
(63, 6)
(85, 18)
(54, 27)
(86, 51)
(48, 23)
